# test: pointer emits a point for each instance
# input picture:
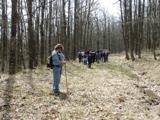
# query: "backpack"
(89, 56)
(85, 55)
(79, 54)
(49, 62)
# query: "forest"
(127, 87)
(30, 29)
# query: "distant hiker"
(80, 56)
(101, 52)
(93, 56)
(85, 58)
(89, 59)
(105, 55)
(58, 62)
(98, 56)
(82, 53)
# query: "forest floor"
(115, 90)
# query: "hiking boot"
(56, 93)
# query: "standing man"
(98, 56)
(107, 54)
(93, 56)
(89, 59)
(58, 62)
(80, 56)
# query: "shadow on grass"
(62, 96)
(31, 80)
(7, 97)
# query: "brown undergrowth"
(107, 91)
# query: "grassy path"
(104, 92)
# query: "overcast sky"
(111, 5)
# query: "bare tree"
(4, 34)
(131, 37)
(31, 41)
(124, 19)
(12, 59)
(42, 32)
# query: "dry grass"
(106, 91)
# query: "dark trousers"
(80, 59)
(93, 60)
(89, 63)
(105, 58)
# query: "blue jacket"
(55, 56)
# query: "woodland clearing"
(116, 90)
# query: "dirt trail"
(112, 93)
(106, 91)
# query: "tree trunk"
(131, 32)
(42, 33)
(12, 59)
(64, 25)
(68, 32)
(124, 27)
(50, 29)
(31, 42)
(4, 34)
(37, 29)
(75, 30)
(19, 41)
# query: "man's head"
(59, 47)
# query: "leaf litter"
(106, 91)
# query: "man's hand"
(64, 63)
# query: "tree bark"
(31, 42)
(4, 35)
(124, 26)
(42, 33)
(12, 59)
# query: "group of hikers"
(91, 56)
